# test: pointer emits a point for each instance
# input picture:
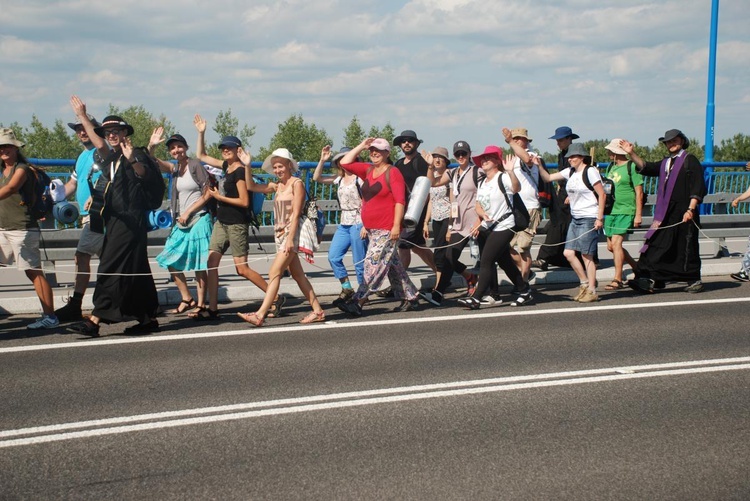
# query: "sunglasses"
(113, 132)
(459, 154)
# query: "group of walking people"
(493, 199)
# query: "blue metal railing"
(724, 178)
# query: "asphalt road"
(630, 398)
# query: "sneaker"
(435, 297)
(87, 328)
(407, 305)
(344, 296)
(741, 276)
(488, 300)
(44, 322)
(695, 287)
(471, 284)
(469, 302)
(71, 311)
(581, 289)
(588, 296)
(523, 298)
(352, 307)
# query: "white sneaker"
(44, 322)
(490, 301)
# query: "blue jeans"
(347, 236)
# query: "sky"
(448, 69)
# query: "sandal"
(183, 307)
(203, 314)
(313, 317)
(251, 318)
(275, 311)
(614, 285)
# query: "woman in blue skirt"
(186, 248)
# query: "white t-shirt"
(529, 183)
(584, 203)
(493, 201)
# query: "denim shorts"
(580, 237)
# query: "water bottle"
(473, 248)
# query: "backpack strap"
(585, 177)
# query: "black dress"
(130, 293)
(673, 254)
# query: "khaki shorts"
(90, 242)
(229, 236)
(524, 239)
(21, 247)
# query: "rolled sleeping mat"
(159, 220)
(57, 190)
(417, 201)
(65, 212)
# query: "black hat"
(113, 121)
(461, 146)
(176, 138)
(673, 133)
(407, 134)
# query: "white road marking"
(507, 312)
(187, 417)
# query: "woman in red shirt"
(383, 201)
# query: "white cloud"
(446, 68)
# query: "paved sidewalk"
(17, 294)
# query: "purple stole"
(666, 187)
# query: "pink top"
(378, 199)
(282, 207)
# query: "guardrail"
(723, 180)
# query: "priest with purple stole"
(671, 253)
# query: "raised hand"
(427, 157)
(627, 146)
(157, 137)
(244, 156)
(200, 123)
(127, 148)
(509, 162)
(507, 135)
(325, 153)
(79, 107)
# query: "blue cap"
(563, 132)
(230, 142)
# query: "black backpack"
(607, 184)
(153, 183)
(40, 201)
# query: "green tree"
(228, 125)
(42, 142)
(736, 149)
(354, 133)
(303, 140)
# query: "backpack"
(544, 189)
(153, 183)
(40, 201)
(518, 208)
(607, 184)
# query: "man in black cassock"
(671, 252)
(125, 288)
